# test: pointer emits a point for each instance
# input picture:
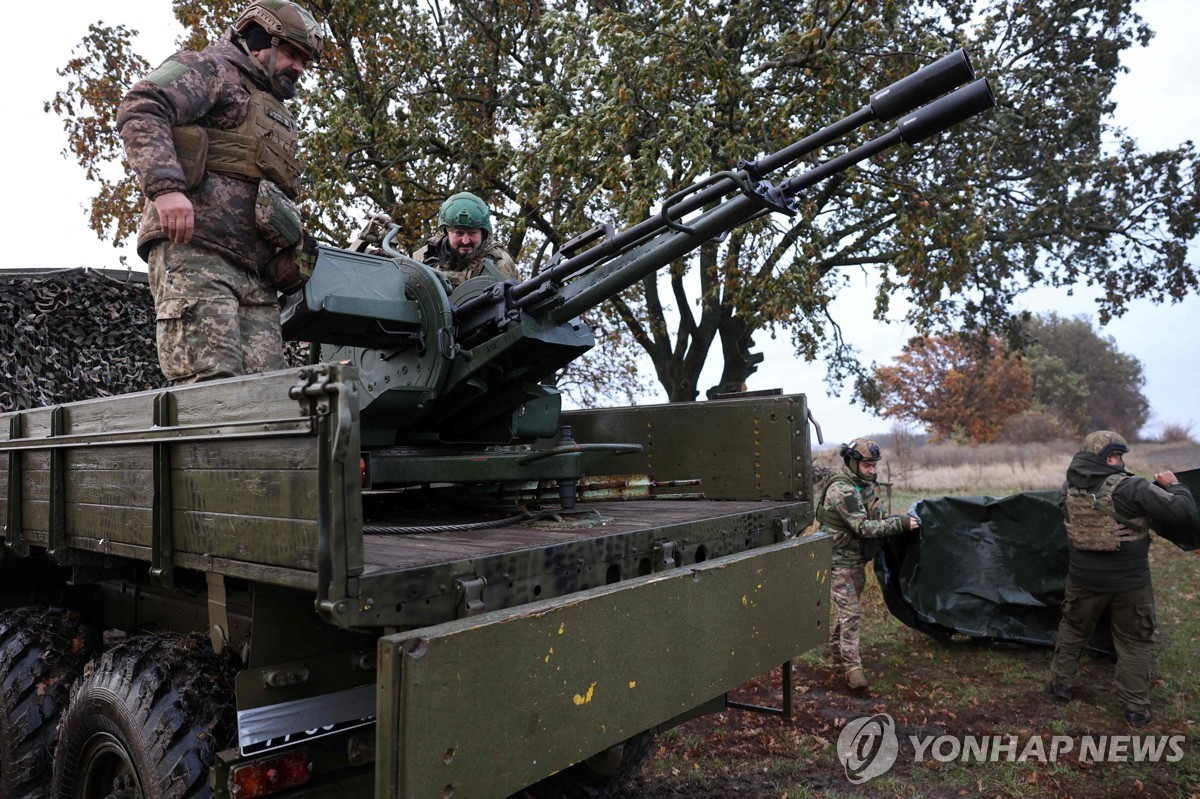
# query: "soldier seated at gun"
(464, 246)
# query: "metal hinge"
(664, 555)
(468, 593)
(783, 530)
(316, 391)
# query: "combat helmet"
(465, 210)
(861, 450)
(284, 21)
(1103, 443)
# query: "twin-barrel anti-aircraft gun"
(291, 569)
(448, 371)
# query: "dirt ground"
(738, 753)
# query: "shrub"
(1032, 427)
(1176, 433)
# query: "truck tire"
(147, 721)
(42, 652)
(599, 776)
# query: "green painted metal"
(409, 468)
(162, 542)
(14, 527)
(566, 678)
(753, 448)
(56, 545)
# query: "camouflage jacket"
(436, 253)
(206, 88)
(850, 511)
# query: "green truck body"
(477, 661)
(401, 570)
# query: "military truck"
(402, 570)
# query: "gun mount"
(465, 367)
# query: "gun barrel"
(910, 92)
(947, 112)
(930, 81)
(920, 125)
(886, 104)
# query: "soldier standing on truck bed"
(1108, 514)
(464, 246)
(849, 509)
(214, 148)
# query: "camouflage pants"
(1132, 615)
(214, 319)
(846, 585)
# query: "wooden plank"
(112, 414)
(35, 461)
(123, 524)
(275, 453)
(37, 422)
(262, 396)
(128, 458)
(277, 494)
(280, 453)
(35, 515)
(117, 489)
(276, 542)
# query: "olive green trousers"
(1132, 619)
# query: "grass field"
(957, 688)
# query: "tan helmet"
(285, 21)
(1104, 443)
(861, 449)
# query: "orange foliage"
(957, 387)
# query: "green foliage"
(1082, 378)
(564, 114)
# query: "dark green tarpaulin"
(990, 568)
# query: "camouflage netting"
(75, 334)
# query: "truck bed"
(399, 552)
(415, 579)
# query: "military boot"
(856, 679)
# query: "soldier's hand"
(1165, 479)
(177, 216)
(913, 523)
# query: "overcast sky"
(43, 207)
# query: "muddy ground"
(737, 753)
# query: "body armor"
(263, 146)
(1093, 523)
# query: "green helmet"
(1104, 443)
(465, 210)
(287, 22)
(861, 449)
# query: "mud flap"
(481, 707)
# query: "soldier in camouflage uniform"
(1108, 514)
(464, 247)
(214, 149)
(849, 509)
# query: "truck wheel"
(42, 651)
(599, 776)
(147, 721)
